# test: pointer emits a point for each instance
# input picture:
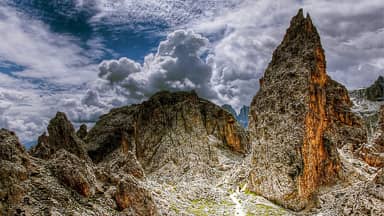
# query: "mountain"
(298, 119)
(367, 102)
(307, 151)
(58, 178)
(242, 117)
(375, 92)
(171, 139)
(168, 129)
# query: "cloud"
(26, 109)
(242, 42)
(242, 36)
(158, 12)
(177, 65)
(117, 70)
(42, 54)
(246, 36)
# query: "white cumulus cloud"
(177, 65)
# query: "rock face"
(74, 173)
(168, 128)
(367, 102)
(61, 136)
(15, 165)
(62, 180)
(297, 120)
(373, 152)
(361, 198)
(130, 194)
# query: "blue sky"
(85, 57)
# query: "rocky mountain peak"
(298, 119)
(170, 128)
(300, 40)
(62, 135)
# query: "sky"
(84, 57)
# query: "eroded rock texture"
(361, 198)
(373, 152)
(15, 165)
(130, 194)
(62, 180)
(297, 120)
(62, 135)
(168, 128)
(74, 173)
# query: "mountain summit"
(179, 154)
(298, 119)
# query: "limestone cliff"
(298, 119)
(174, 128)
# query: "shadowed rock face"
(297, 120)
(376, 91)
(82, 132)
(169, 127)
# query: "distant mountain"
(375, 92)
(367, 102)
(242, 117)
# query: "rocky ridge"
(307, 150)
(57, 177)
(299, 118)
(168, 129)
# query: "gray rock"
(15, 166)
(297, 120)
(82, 132)
(61, 136)
(168, 128)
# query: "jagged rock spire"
(297, 119)
(62, 135)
